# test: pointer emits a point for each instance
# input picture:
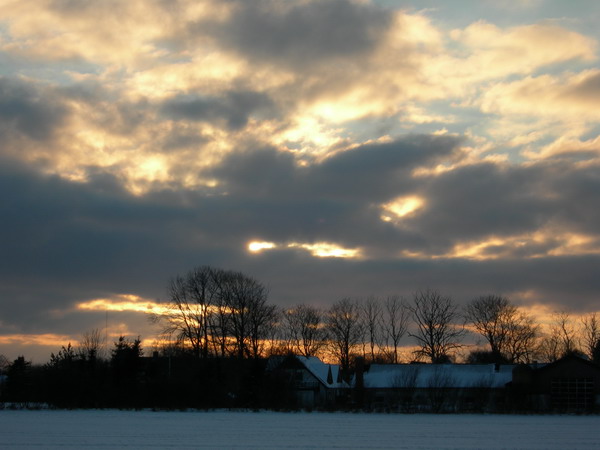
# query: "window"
(572, 394)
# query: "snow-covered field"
(268, 430)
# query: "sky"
(329, 149)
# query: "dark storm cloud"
(340, 199)
(379, 172)
(560, 283)
(334, 201)
(65, 242)
(28, 110)
(372, 172)
(234, 108)
(478, 201)
(578, 192)
(299, 34)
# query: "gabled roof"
(384, 376)
(566, 358)
(320, 370)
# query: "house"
(571, 384)
(433, 387)
(311, 382)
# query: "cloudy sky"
(327, 148)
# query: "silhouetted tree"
(191, 300)
(263, 320)
(561, 339)
(125, 364)
(509, 332)
(220, 311)
(438, 388)
(18, 387)
(394, 323)
(304, 330)
(596, 353)
(370, 312)
(245, 299)
(344, 330)
(437, 334)
(485, 357)
(4, 363)
(590, 333)
(90, 346)
(406, 385)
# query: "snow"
(450, 375)
(95, 429)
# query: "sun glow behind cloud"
(318, 249)
(256, 246)
(401, 207)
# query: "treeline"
(219, 313)
(79, 378)
(219, 327)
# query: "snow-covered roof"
(321, 370)
(437, 375)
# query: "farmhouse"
(311, 382)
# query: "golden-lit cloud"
(123, 302)
(401, 207)
(144, 54)
(327, 250)
(495, 52)
(545, 95)
(45, 339)
(318, 249)
(541, 243)
(258, 246)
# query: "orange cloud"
(46, 339)
(123, 302)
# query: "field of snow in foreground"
(264, 430)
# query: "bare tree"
(304, 329)
(245, 300)
(520, 347)
(549, 348)
(394, 323)
(563, 326)
(263, 320)
(439, 388)
(183, 316)
(4, 363)
(510, 333)
(223, 311)
(191, 303)
(405, 383)
(344, 330)
(491, 316)
(90, 346)
(370, 311)
(437, 333)
(590, 333)
(220, 324)
(561, 339)
(204, 289)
